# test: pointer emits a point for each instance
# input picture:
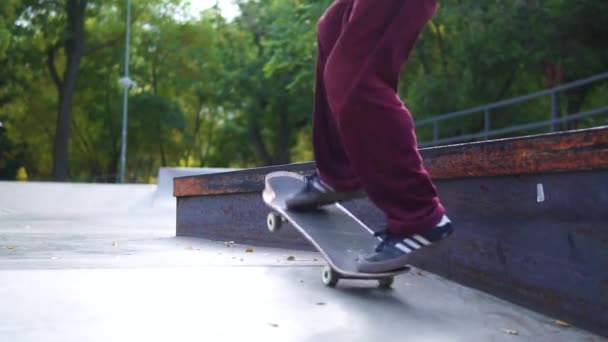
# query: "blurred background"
(230, 83)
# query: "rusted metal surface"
(231, 182)
(568, 151)
(548, 253)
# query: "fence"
(553, 123)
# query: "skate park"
(136, 138)
(130, 262)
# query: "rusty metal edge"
(546, 153)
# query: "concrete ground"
(101, 263)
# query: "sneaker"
(393, 252)
(316, 194)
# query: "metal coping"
(546, 153)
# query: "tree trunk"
(282, 154)
(576, 98)
(194, 146)
(257, 142)
(208, 137)
(161, 147)
(74, 50)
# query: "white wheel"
(274, 221)
(329, 276)
(386, 282)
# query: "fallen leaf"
(510, 331)
(11, 247)
(291, 258)
(249, 250)
(114, 244)
(561, 323)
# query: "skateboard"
(336, 233)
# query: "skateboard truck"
(330, 278)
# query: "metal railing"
(553, 123)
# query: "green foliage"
(213, 92)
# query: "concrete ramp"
(54, 199)
(123, 276)
(530, 216)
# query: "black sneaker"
(392, 252)
(316, 193)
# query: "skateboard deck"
(333, 230)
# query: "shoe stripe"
(412, 243)
(444, 220)
(403, 248)
(421, 239)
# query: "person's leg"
(335, 179)
(377, 131)
(332, 162)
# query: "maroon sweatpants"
(363, 134)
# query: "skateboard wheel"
(386, 282)
(329, 276)
(274, 221)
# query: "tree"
(217, 92)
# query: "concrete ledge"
(166, 175)
(548, 153)
(530, 213)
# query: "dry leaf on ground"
(510, 331)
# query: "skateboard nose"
(268, 195)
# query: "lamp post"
(127, 83)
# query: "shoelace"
(309, 179)
(384, 239)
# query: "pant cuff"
(409, 228)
